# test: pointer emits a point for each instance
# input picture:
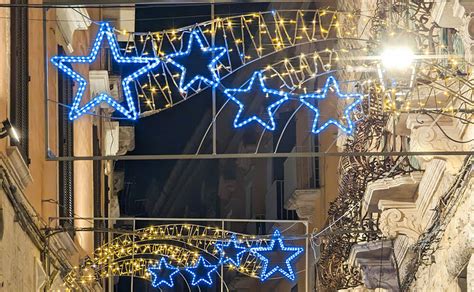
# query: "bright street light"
(398, 58)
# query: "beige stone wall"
(455, 250)
(4, 66)
(18, 254)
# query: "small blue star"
(231, 251)
(289, 253)
(278, 97)
(201, 272)
(331, 81)
(105, 31)
(162, 273)
(191, 72)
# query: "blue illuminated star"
(162, 274)
(277, 98)
(201, 272)
(230, 251)
(190, 60)
(277, 248)
(105, 31)
(332, 82)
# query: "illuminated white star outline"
(206, 264)
(277, 238)
(105, 30)
(220, 245)
(211, 66)
(331, 81)
(155, 283)
(230, 93)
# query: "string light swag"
(190, 72)
(331, 82)
(201, 272)
(230, 251)
(233, 94)
(105, 31)
(162, 273)
(277, 247)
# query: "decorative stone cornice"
(17, 168)
(304, 202)
(69, 20)
(427, 136)
(443, 14)
(126, 139)
(375, 261)
(410, 217)
(400, 188)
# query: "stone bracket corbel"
(399, 218)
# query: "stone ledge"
(303, 201)
(400, 188)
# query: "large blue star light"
(278, 98)
(230, 251)
(105, 31)
(162, 274)
(277, 248)
(201, 272)
(331, 81)
(190, 60)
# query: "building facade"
(37, 249)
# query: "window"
(19, 75)
(66, 144)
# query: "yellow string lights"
(131, 254)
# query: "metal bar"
(133, 257)
(136, 2)
(214, 110)
(180, 219)
(45, 84)
(222, 266)
(258, 155)
(307, 258)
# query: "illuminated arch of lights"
(183, 246)
(246, 38)
(236, 41)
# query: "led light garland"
(331, 81)
(232, 93)
(288, 272)
(197, 269)
(218, 53)
(156, 270)
(143, 255)
(246, 38)
(226, 249)
(222, 25)
(105, 30)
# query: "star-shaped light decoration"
(273, 97)
(230, 251)
(105, 31)
(162, 273)
(201, 272)
(188, 62)
(277, 248)
(332, 82)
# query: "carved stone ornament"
(401, 220)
